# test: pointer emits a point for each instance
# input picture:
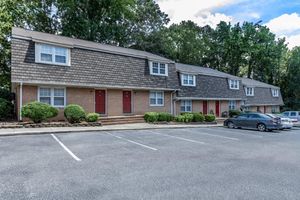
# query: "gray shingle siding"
(263, 96)
(211, 87)
(88, 67)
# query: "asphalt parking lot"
(194, 163)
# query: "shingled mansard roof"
(254, 83)
(72, 42)
(210, 84)
(92, 64)
(203, 70)
(262, 93)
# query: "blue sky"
(266, 9)
(281, 16)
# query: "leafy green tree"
(148, 20)
(292, 88)
(12, 12)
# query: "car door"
(241, 120)
(293, 115)
(253, 120)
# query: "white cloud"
(293, 41)
(285, 24)
(211, 19)
(196, 10)
(254, 15)
(288, 26)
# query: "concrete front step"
(122, 120)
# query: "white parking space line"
(66, 148)
(177, 137)
(213, 135)
(142, 145)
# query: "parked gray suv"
(257, 121)
(294, 115)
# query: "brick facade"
(85, 97)
(141, 103)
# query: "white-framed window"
(54, 96)
(159, 69)
(156, 98)
(234, 84)
(249, 91)
(188, 80)
(186, 106)
(275, 92)
(50, 54)
(232, 105)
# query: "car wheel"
(261, 127)
(230, 125)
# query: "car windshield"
(286, 114)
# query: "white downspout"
(171, 103)
(21, 100)
(173, 109)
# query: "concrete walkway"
(138, 126)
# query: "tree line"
(247, 49)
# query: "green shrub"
(180, 118)
(164, 117)
(184, 117)
(151, 117)
(210, 118)
(38, 112)
(233, 113)
(74, 113)
(188, 117)
(198, 117)
(92, 117)
(6, 94)
(6, 109)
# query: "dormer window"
(159, 69)
(249, 91)
(234, 84)
(275, 92)
(50, 54)
(188, 80)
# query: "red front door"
(204, 107)
(126, 101)
(100, 101)
(218, 108)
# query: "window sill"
(51, 63)
(159, 74)
(154, 105)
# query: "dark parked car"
(257, 121)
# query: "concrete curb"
(38, 132)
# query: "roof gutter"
(82, 85)
(205, 98)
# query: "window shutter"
(166, 68)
